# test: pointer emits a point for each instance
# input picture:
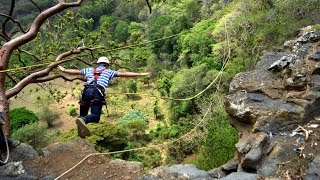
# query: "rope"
(7, 145)
(176, 99)
(109, 50)
(137, 149)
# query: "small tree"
(48, 116)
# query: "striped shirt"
(104, 77)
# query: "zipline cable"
(99, 47)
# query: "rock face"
(268, 104)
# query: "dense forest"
(193, 49)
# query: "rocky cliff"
(276, 108)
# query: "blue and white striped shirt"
(104, 77)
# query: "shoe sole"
(83, 130)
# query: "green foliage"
(20, 117)
(219, 144)
(134, 115)
(162, 132)
(164, 82)
(35, 135)
(187, 83)
(121, 31)
(48, 116)
(132, 86)
(150, 157)
(178, 150)
(108, 137)
(72, 110)
(156, 110)
(135, 127)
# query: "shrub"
(136, 128)
(108, 137)
(48, 116)
(134, 115)
(20, 117)
(35, 135)
(150, 157)
(72, 110)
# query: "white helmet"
(103, 59)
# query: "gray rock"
(257, 81)
(67, 146)
(264, 113)
(280, 153)
(22, 152)
(315, 56)
(217, 173)
(241, 176)
(310, 36)
(231, 166)
(180, 171)
(14, 170)
(269, 58)
(282, 63)
(313, 171)
(130, 166)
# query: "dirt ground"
(63, 157)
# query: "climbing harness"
(5, 139)
(95, 85)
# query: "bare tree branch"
(30, 54)
(13, 20)
(39, 20)
(19, 58)
(67, 78)
(150, 10)
(11, 78)
(5, 37)
(33, 77)
(35, 4)
(4, 23)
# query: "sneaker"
(83, 130)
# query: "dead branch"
(4, 23)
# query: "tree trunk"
(5, 53)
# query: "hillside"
(282, 146)
(226, 93)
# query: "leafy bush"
(150, 157)
(20, 117)
(72, 110)
(35, 135)
(48, 116)
(108, 137)
(136, 128)
(134, 115)
(219, 144)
